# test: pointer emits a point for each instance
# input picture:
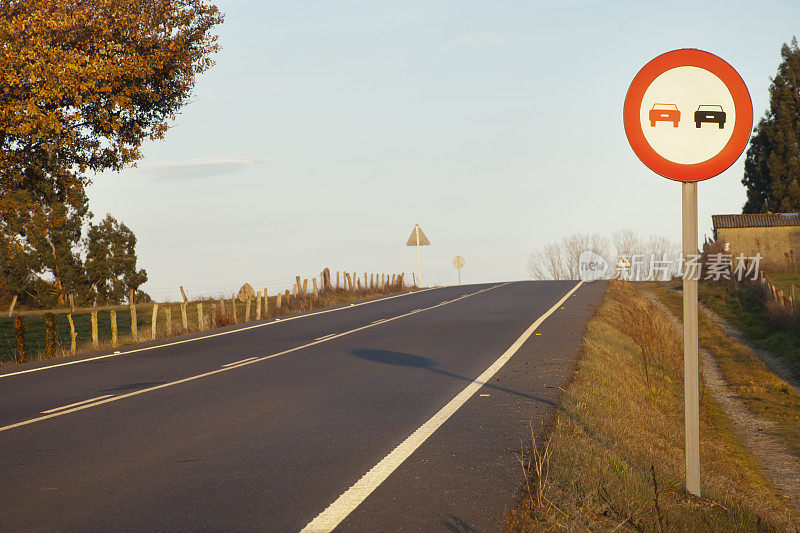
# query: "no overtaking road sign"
(688, 117)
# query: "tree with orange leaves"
(83, 83)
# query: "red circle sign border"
(688, 57)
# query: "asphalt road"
(368, 418)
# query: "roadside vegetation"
(35, 330)
(613, 458)
(764, 393)
(763, 325)
(782, 280)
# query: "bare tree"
(560, 259)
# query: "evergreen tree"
(111, 261)
(772, 166)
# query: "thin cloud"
(191, 169)
(479, 39)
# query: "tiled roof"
(767, 220)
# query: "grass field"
(614, 458)
(35, 331)
(782, 280)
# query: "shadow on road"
(417, 361)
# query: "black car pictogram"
(709, 113)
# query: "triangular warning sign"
(417, 231)
(624, 262)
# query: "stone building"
(776, 236)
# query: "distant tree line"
(55, 260)
(560, 259)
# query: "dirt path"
(781, 466)
(775, 364)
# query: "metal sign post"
(688, 117)
(459, 263)
(418, 239)
(691, 372)
(419, 255)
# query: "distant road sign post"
(459, 263)
(418, 239)
(688, 117)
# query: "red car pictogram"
(664, 113)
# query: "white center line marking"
(325, 337)
(211, 335)
(242, 361)
(76, 403)
(378, 321)
(226, 369)
(331, 517)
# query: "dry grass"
(764, 393)
(224, 317)
(616, 445)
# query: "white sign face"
(687, 115)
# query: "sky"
(326, 130)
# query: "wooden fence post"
(201, 322)
(337, 279)
(346, 281)
(233, 305)
(113, 317)
(278, 304)
(372, 281)
(266, 303)
(183, 293)
(258, 305)
(73, 347)
(154, 322)
(13, 304)
(95, 340)
(305, 287)
(359, 283)
(247, 310)
(134, 322)
(213, 315)
(184, 318)
(316, 293)
(299, 285)
(19, 333)
(50, 335)
(168, 317)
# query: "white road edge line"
(242, 361)
(76, 403)
(220, 370)
(331, 517)
(211, 335)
